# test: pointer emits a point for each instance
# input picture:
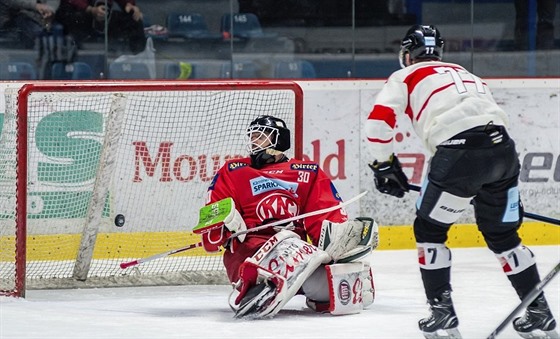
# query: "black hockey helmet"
(274, 131)
(421, 42)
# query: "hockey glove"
(389, 177)
(348, 241)
(217, 222)
(234, 223)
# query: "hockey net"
(75, 159)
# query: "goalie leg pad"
(351, 288)
(368, 290)
(283, 263)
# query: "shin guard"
(351, 287)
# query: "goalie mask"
(267, 136)
(421, 43)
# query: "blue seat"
(289, 69)
(17, 70)
(72, 71)
(245, 26)
(189, 25)
(239, 70)
(128, 70)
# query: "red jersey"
(275, 192)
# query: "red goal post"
(94, 174)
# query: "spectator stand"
(129, 70)
(294, 69)
(247, 34)
(193, 69)
(71, 71)
(17, 70)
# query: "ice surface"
(483, 298)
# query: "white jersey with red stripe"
(441, 99)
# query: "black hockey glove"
(389, 177)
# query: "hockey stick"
(276, 223)
(297, 217)
(158, 256)
(526, 301)
(525, 214)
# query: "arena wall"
(334, 114)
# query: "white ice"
(483, 298)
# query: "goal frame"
(22, 135)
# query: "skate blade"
(252, 310)
(450, 333)
(538, 334)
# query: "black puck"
(119, 220)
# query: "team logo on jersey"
(236, 165)
(344, 292)
(335, 192)
(277, 206)
(261, 185)
(305, 167)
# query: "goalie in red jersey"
(314, 256)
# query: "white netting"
(146, 155)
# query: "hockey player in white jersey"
(474, 161)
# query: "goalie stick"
(526, 301)
(158, 256)
(210, 217)
(525, 214)
(297, 217)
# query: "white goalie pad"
(282, 264)
(349, 241)
(351, 287)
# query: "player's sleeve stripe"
(378, 131)
(383, 113)
(379, 141)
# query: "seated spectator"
(85, 19)
(26, 18)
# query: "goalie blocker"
(333, 276)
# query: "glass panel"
(213, 39)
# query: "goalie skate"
(537, 322)
(258, 300)
(442, 322)
(264, 295)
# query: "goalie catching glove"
(217, 222)
(349, 241)
(389, 177)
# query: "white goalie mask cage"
(267, 132)
(260, 138)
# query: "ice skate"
(442, 322)
(257, 299)
(537, 322)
